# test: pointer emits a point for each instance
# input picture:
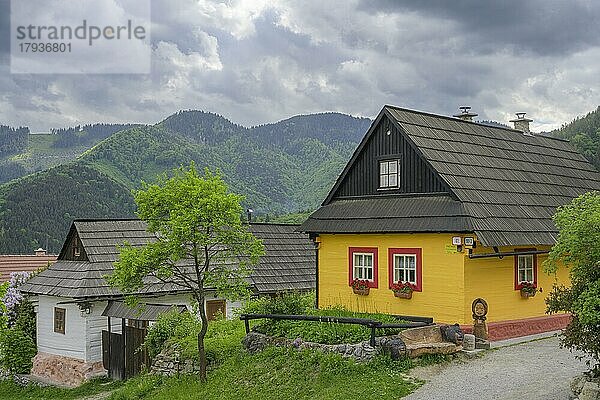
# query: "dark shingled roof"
(288, 263)
(507, 184)
(390, 214)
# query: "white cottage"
(74, 303)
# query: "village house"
(460, 210)
(75, 304)
(24, 263)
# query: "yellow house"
(460, 210)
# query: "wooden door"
(136, 356)
(113, 355)
(215, 308)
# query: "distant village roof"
(288, 262)
(497, 182)
(21, 263)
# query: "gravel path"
(534, 370)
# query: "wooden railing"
(373, 325)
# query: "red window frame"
(411, 251)
(516, 267)
(374, 250)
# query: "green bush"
(171, 325)
(578, 248)
(16, 351)
(25, 319)
(288, 303)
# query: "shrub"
(171, 325)
(287, 303)
(578, 248)
(16, 351)
(25, 319)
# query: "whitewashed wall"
(83, 334)
(70, 344)
(95, 324)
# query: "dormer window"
(76, 250)
(388, 174)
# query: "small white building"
(74, 303)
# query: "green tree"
(578, 248)
(201, 243)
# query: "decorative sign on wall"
(469, 241)
(456, 240)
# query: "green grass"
(12, 391)
(280, 373)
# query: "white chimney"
(522, 123)
(40, 252)
(465, 113)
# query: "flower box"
(528, 289)
(403, 295)
(361, 291)
(527, 294)
(403, 290)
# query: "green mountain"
(283, 167)
(584, 134)
(22, 153)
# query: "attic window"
(76, 250)
(388, 174)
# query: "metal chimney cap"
(465, 113)
(521, 117)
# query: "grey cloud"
(542, 27)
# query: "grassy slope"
(276, 373)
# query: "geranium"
(403, 287)
(528, 287)
(360, 284)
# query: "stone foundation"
(65, 370)
(523, 327)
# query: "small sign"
(456, 240)
(469, 241)
(450, 249)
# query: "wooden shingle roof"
(288, 263)
(509, 184)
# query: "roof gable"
(385, 140)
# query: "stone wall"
(410, 343)
(255, 342)
(65, 370)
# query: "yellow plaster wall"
(443, 276)
(493, 280)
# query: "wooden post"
(372, 341)
(247, 325)
(124, 348)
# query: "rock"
(469, 342)
(395, 347)
(577, 384)
(590, 391)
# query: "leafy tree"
(201, 243)
(578, 248)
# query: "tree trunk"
(201, 335)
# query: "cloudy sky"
(262, 61)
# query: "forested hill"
(282, 167)
(22, 153)
(12, 140)
(584, 134)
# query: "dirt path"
(534, 370)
